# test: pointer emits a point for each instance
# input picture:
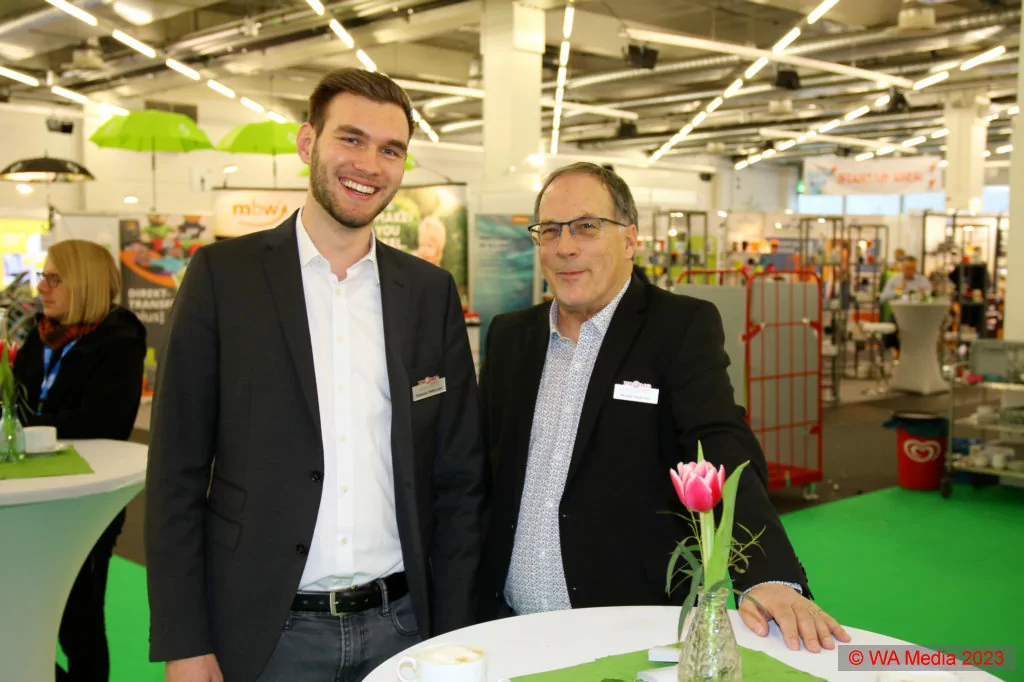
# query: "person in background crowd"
(82, 373)
(909, 280)
(580, 469)
(898, 286)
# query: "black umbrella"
(45, 169)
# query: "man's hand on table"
(797, 617)
(198, 669)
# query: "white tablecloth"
(48, 526)
(548, 641)
(920, 325)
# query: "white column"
(966, 117)
(1013, 322)
(512, 42)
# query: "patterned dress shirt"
(536, 577)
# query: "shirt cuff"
(795, 586)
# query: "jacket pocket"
(226, 497)
(222, 531)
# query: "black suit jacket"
(616, 536)
(236, 457)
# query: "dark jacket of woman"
(99, 386)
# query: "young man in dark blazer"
(316, 481)
(581, 454)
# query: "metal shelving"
(995, 426)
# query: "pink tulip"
(698, 485)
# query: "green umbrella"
(410, 163)
(151, 131)
(268, 137)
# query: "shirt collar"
(601, 320)
(309, 254)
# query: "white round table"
(48, 526)
(920, 326)
(549, 641)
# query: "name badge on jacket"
(427, 388)
(636, 392)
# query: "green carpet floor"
(912, 565)
(936, 572)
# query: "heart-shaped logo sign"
(920, 451)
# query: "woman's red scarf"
(57, 335)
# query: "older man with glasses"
(581, 464)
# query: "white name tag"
(427, 388)
(636, 392)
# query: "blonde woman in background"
(82, 372)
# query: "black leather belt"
(351, 599)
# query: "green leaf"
(719, 562)
(691, 599)
(682, 549)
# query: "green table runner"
(64, 463)
(757, 667)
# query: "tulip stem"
(707, 531)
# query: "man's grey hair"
(625, 207)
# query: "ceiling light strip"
(784, 43)
(77, 13)
(563, 68)
(136, 45)
(910, 143)
(18, 76)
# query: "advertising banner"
(838, 176)
(430, 222)
(504, 267)
(156, 249)
(242, 211)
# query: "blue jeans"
(319, 647)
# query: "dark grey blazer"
(236, 457)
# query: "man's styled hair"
(371, 85)
(625, 207)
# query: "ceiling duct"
(915, 19)
(841, 42)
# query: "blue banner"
(503, 279)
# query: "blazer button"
(300, 550)
(316, 476)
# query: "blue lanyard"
(50, 375)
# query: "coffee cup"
(40, 438)
(446, 662)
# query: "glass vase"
(709, 652)
(12, 436)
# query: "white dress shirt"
(346, 327)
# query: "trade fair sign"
(428, 222)
(839, 176)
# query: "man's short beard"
(321, 182)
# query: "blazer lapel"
(618, 342)
(533, 353)
(284, 277)
(395, 298)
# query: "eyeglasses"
(52, 279)
(582, 229)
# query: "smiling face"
(585, 275)
(358, 161)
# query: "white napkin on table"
(667, 674)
